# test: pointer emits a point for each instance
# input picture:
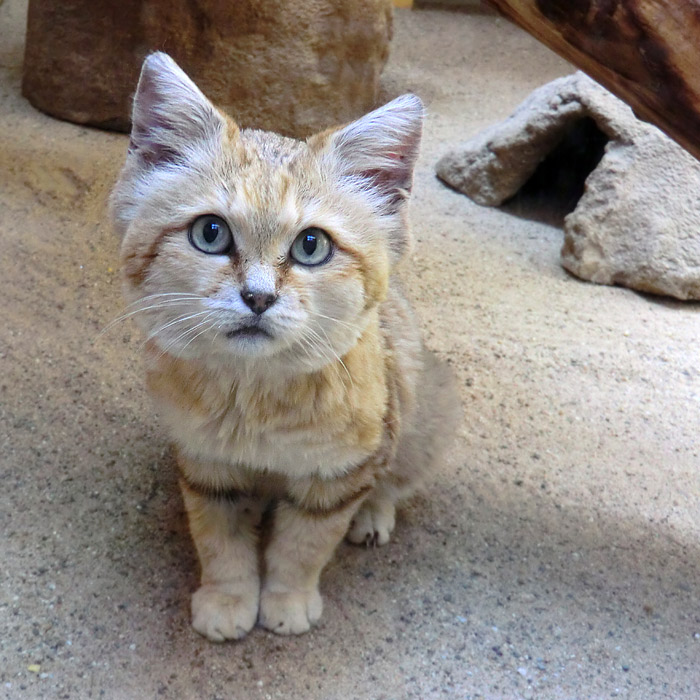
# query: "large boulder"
(637, 223)
(291, 66)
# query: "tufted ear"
(380, 149)
(170, 116)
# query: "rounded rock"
(290, 66)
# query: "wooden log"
(647, 52)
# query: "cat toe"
(373, 525)
(219, 615)
(290, 613)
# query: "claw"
(372, 539)
(373, 525)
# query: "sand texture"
(557, 553)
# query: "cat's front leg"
(301, 544)
(225, 534)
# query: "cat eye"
(312, 247)
(211, 235)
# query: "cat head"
(243, 243)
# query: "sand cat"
(281, 353)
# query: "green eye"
(312, 247)
(211, 235)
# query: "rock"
(638, 221)
(291, 66)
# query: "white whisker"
(185, 333)
(180, 299)
(174, 322)
(306, 345)
(159, 295)
(352, 327)
(321, 345)
(208, 328)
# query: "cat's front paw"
(220, 615)
(292, 612)
(373, 523)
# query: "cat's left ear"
(378, 153)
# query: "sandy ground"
(556, 554)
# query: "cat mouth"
(248, 332)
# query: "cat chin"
(251, 346)
(244, 346)
(248, 333)
(266, 355)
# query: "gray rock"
(638, 221)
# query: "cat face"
(249, 245)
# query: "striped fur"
(308, 419)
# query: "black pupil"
(211, 231)
(309, 244)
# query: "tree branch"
(647, 52)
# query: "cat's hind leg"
(374, 522)
(424, 437)
(225, 534)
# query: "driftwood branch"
(647, 52)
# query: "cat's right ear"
(170, 114)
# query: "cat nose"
(258, 302)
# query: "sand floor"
(556, 554)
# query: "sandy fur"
(337, 413)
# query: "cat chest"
(294, 433)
